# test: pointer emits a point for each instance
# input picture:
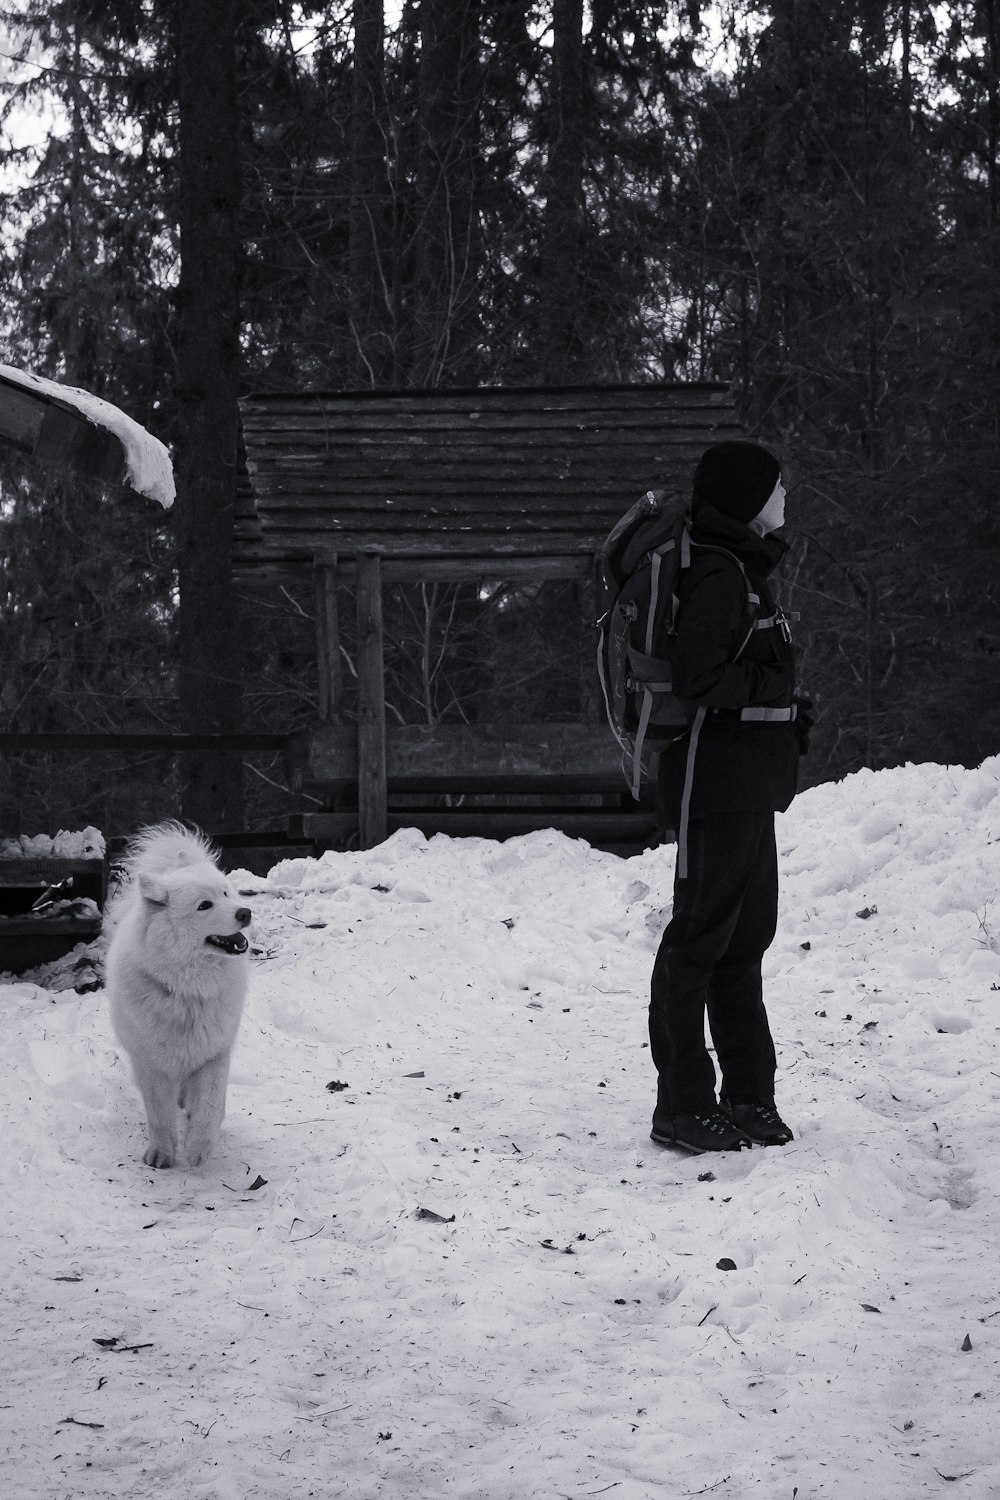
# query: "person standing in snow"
(719, 786)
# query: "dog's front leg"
(204, 1100)
(159, 1094)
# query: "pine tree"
(85, 576)
(822, 270)
(208, 364)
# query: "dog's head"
(200, 909)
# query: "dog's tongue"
(235, 942)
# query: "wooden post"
(328, 638)
(372, 791)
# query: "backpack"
(638, 575)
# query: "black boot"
(761, 1122)
(698, 1133)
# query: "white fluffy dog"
(177, 972)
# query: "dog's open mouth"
(233, 942)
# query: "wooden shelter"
(54, 432)
(68, 428)
(457, 485)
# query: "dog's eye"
(204, 905)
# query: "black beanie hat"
(737, 478)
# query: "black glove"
(803, 721)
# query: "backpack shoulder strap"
(752, 607)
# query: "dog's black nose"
(243, 916)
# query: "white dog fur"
(177, 971)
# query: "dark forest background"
(798, 198)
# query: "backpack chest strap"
(779, 620)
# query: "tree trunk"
(369, 229)
(991, 33)
(562, 345)
(447, 150)
(208, 353)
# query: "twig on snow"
(316, 1416)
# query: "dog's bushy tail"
(165, 847)
(155, 850)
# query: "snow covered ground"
(437, 1254)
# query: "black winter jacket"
(736, 766)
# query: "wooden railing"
(487, 780)
(96, 743)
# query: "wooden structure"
(68, 428)
(55, 432)
(27, 937)
(375, 487)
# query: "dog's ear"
(154, 891)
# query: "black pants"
(723, 922)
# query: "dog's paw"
(158, 1156)
(198, 1151)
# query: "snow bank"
(86, 843)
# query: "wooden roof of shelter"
(459, 476)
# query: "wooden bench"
(485, 767)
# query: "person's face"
(773, 514)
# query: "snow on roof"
(147, 462)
